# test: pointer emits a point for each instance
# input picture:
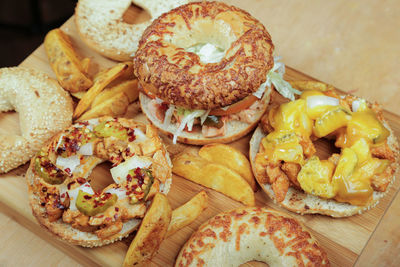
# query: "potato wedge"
(114, 106)
(231, 158)
(79, 94)
(214, 176)
(129, 87)
(187, 213)
(127, 74)
(310, 85)
(98, 86)
(151, 232)
(71, 72)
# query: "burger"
(206, 71)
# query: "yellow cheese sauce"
(317, 114)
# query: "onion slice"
(68, 163)
(120, 172)
(321, 100)
(73, 194)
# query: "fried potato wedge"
(114, 106)
(231, 158)
(129, 87)
(310, 85)
(214, 176)
(151, 232)
(70, 70)
(187, 213)
(126, 74)
(101, 82)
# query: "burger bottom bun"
(303, 203)
(234, 130)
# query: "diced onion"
(86, 149)
(120, 172)
(159, 101)
(120, 192)
(73, 194)
(68, 163)
(321, 100)
(140, 136)
(63, 189)
(355, 106)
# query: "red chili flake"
(70, 184)
(62, 195)
(164, 106)
(139, 176)
(87, 197)
(81, 180)
(129, 178)
(131, 134)
(67, 170)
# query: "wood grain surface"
(362, 240)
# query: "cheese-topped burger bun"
(205, 72)
(352, 179)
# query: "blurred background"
(24, 23)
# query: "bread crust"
(100, 25)
(252, 233)
(180, 78)
(64, 230)
(235, 129)
(44, 109)
(300, 202)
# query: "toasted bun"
(65, 231)
(40, 191)
(179, 77)
(44, 109)
(303, 203)
(100, 25)
(245, 234)
(235, 129)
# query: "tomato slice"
(235, 108)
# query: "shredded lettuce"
(207, 52)
(275, 77)
(168, 115)
(188, 119)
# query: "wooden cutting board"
(343, 239)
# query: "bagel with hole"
(205, 71)
(60, 191)
(295, 168)
(246, 234)
(44, 109)
(101, 26)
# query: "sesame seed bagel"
(166, 68)
(299, 201)
(59, 183)
(44, 109)
(246, 234)
(100, 25)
